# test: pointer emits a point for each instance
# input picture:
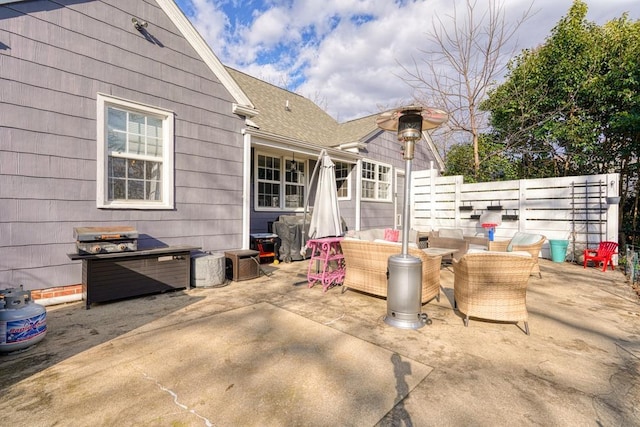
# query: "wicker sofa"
(366, 267)
(493, 285)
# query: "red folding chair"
(603, 254)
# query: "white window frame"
(102, 157)
(346, 180)
(300, 183)
(377, 181)
(285, 161)
(257, 182)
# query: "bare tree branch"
(469, 53)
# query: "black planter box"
(494, 207)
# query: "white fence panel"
(581, 209)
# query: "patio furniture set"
(489, 281)
(490, 277)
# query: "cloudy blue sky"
(347, 55)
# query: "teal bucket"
(558, 250)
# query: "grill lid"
(92, 234)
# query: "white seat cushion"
(487, 252)
(521, 238)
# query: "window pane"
(116, 119)
(153, 170)
(154, 147)
(154, 127)
(153, 190)
(117, 189)
(117, 167)
(294, 177)
(116, 141)
(135, 190)
(136, 169)
(136, 144)
(136, 123)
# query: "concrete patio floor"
(271, 351)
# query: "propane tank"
(23, 323)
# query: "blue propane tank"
(23, 323)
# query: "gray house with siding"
(116, 112)
(103, 122)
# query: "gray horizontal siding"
(57, 58)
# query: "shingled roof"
(288, 114)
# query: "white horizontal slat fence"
(571, 208)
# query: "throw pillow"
(391, 235)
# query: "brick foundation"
(59, 291)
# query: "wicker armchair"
(492, 286)
(515, 245)
(366, 268)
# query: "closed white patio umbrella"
(325, 217)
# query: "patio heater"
(404, 283)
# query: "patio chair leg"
(466, 321)
(526, 328)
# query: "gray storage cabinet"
(113, 276)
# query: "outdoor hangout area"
(273, 351)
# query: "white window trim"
(362, 180)
(168, 197)
(283, 161)
(348, 180)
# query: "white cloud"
(348, 52)
(211, 22)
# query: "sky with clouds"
(348, 55)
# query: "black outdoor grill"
(100, 240)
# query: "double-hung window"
(268, 181)
(376, 181)
(280, 182)
(294, 179)
(135, 155)
(342, 180)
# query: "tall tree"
(471, 48)
(572, 105)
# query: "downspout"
(58, 300)
(246, 190)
